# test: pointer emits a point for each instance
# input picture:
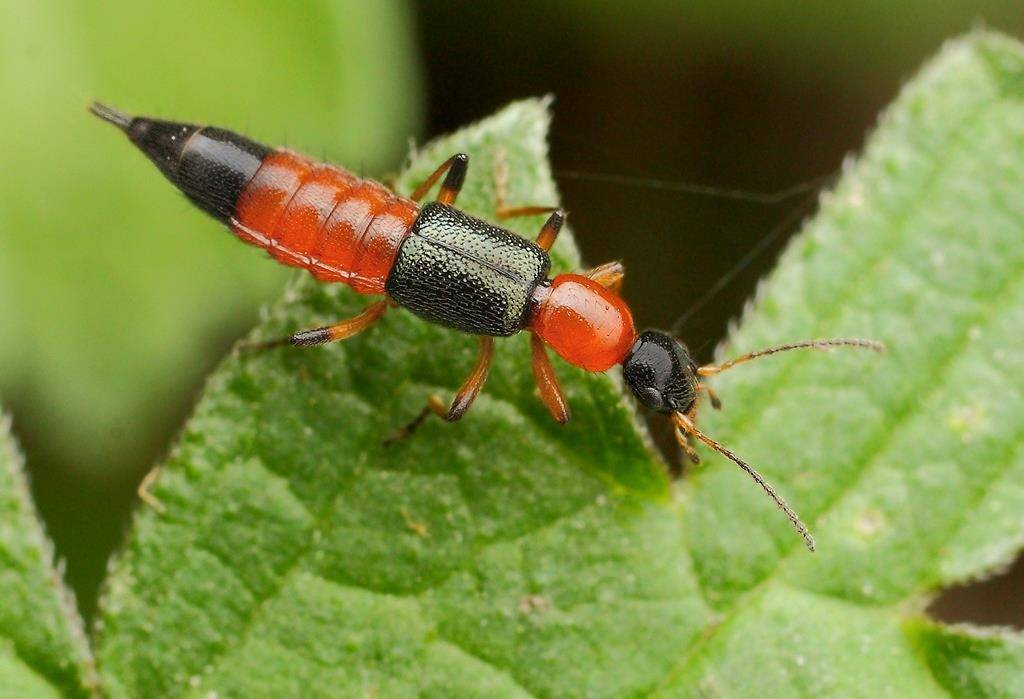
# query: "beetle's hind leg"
(464, 398)
(474, 383)
(328, 333)
(434, 406)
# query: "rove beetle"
(443, 265)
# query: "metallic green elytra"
(464, 273)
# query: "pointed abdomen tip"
(115, 117)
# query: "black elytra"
(464, 273)
(661, 373)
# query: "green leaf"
(971, 662)
(42, 648)
(506, 555)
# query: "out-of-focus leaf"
(861, 41)
(42, 648)
(115, 289)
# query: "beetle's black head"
(661, 373)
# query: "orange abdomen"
(324, 219)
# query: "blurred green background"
(116, 297)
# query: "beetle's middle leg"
(464, 397)
(456, 167)
(328, 333)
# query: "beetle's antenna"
(115, 117)
(873, 345)
(686, 425)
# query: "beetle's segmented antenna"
(873, 345)
(686, 426)
(118, 119)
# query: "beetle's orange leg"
(684, 443)
(548, 234)
(547, 381)
(464, 398)
(609, 275)
(683, 437)
(456, 167)
(502, 210)
(474, 383)
(435, 406)
(328, 333)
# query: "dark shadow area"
(994, 602)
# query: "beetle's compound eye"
(650, 396)
(659, 371)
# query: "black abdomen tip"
(211, 166)
(216, 166)
(162, 141)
